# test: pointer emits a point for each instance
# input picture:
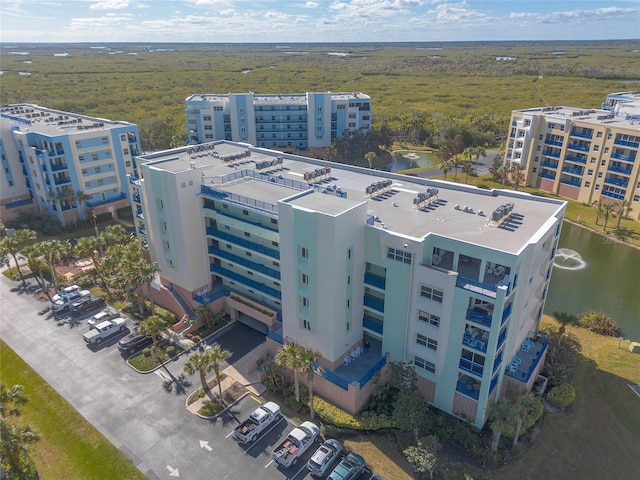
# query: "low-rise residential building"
(364, 266)
(587, 155)
(286, 122)
(63, 163)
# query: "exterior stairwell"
(183, 303)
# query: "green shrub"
(562, 396)
(171, 350)
(168, 317)
(210, 409)
(339, 418)
(599, 322)
(146, 352)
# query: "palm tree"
(445, 166)
(89, 247)
(500, 419)
(370, 157)
(53, 250)
(517, 175)
(523, 404)
(289, 356)
(607, 208)
(308, 358)
(153, 325)
(15, 442)
(34, 255)
(11, 399)
(14, 244)
(69, 197)
(455, 163)
(3, 229)
(217, 355)
(599, 210)
(81, 198)
(467, 169)
(201, 363)
(624, 207)
(503, 171)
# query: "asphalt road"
(144, 415)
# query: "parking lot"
(144, 415)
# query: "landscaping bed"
(146, 361)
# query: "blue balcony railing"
(621, 156)
(18, 203)
(475, 343)
(616, 169)
(479, 316)
(472, 367)
(506, 313)
(571, 182)
(248, 282)
(468, 390)
(256, 267)
(573, 171)
(575, 159)
(577, 146)
(276, 337)
(335, 379)
(522, 372)
(374, 280)
(372, 371)
(497, 361)
(476, 286)
(627, 143)
(494, 383)
(557, 143)
(59, 166)
(97, 203)
(549, 175)
(374, 303)
(551, 153)
(208, 297)
(502, 337)
(372, 325)
(581, 134)
(256, 247)
(549, 164)
(609, 194)
(615, 181)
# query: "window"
(425, 364)
(245, 212)
(306, 324)
(94, 157)
(596, 148)
(597, 187)
(599, 135)
(125, 151)
(304, 302)
(427, 342)
(429, 318)
(636, 198)
(81, 158)
(304, 252)
(431, 293)
(587, 184)
(473, 357)
(590, 172)
(599, 174)
(319, 109)
(84, 171)
(105, 141)
(304, 278)
(593, 160)
(100, 182)
(606, 149)
(248, 254)
(123, 138)
(275, 244)
(247, 234)
(399, 255)
(127, 163)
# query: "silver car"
(324, 457)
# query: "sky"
(314, 21)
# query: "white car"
(65, 292)
(102, 316)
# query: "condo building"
(285, 122)
(364, 266)
(63, 163)
(588, 155)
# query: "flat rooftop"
(276, 98)
(627, 115)
(238, 169)
(43, 120)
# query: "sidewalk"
(237, 373)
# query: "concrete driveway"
(143, 415)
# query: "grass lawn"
(69, 446)
(600, 439)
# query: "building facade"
(364, 266)
(63, 163)
(285, 122)
(587, 155)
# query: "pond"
(414, 159)
(593, 272)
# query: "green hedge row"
(339, 418)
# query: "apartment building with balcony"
(366, 267)
(48, 156)
(285, 122)
(587, 155)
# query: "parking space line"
(304, 467)
(255, 399)
(246, 450)
(230, 433)
(267, 465)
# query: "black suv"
(86, 304)
(134, 342)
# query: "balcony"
(469, 387)
(256, 247)
(476, 341)
(621, 156)
(622, 170)
(616, 196)
(571, 182)
(469, 366)
(582, 134)
(62, 180)
(505, 314)
(578, 146)
(497, 362)
(480, 315)
(375, 281)
(360, 369)
(528, 358)
(375, 303)
(248, 282)
(617, 182)
(626, 143)
(486, 289)
(59, 166)
(256, 267)
(575, 159)
(372, 325)
(573, 171)
(557, 143)
(549, 164)
(551, 153)
(549, 175)
(207, 296)
(97, 203)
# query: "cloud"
(577, 16)
(458, 13)
(104, 22)
(312, 5)
(109, 5)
